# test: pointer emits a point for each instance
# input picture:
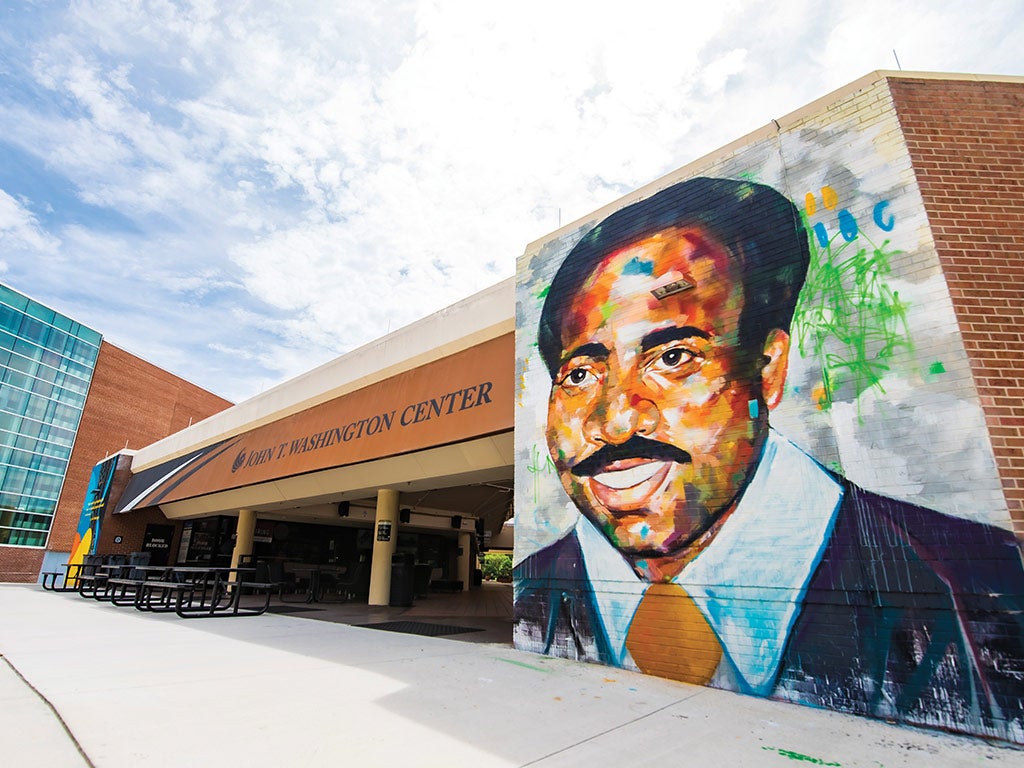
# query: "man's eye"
(672, 360)
(675, 357)
(578, 377)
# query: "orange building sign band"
(460, 397)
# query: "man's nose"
(622, 413)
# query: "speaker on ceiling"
(456, 521)
(343, 508)
(404, 515)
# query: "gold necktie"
(669, 636)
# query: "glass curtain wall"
(46, 365)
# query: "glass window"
(24, 503)
(14, 478)
(13, 400)
(84, 352)
(34, 331)
(10, 318)
(20, 380)
(45, 486)
(23, 364)
(42, 387)
(15, 537)
(27, 348)
(38, 311)
(35, 407)
(12, 518)
(46, 364)
(78, 369)
(73, 384)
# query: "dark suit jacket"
(910, 615)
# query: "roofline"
(480, 317)
(776, 126)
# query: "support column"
(244, 534)
(385, 538)
(464, 562)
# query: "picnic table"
(324, 580)
(191, 591)
(68, 578)
(224, 586)
(126, 589)
(72, 574)
(198, 591)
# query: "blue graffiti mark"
(638, 267)
(884, 224)
(822, 234)
(848, 226)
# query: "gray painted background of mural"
(918, 432)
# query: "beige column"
(385, 537)
(244, 533)
(464, 561)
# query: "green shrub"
(497, 567)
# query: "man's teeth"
(627, 478)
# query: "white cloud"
(286, 183)
(20, 230)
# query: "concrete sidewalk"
(281, 690)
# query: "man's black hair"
(760, 227)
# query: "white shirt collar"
(749, 582)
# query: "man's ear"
(776, 363)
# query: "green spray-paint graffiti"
(540, 464)
(848, 316)
(799, 757)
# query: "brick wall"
(131, 404)
(20, 563)
(965, 141)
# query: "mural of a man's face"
(657, 416)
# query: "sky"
(240, 191)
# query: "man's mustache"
(635, 448)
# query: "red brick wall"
(966, 141)
(131, 404)
(20, 563)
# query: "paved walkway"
(88, 684)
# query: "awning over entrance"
(445, 423)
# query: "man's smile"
(620, 476)
(626, 477)
(628, 485)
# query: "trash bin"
(402, 574)
(421, 583)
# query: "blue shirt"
(749, 581)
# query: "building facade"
(69, 399)
(48, 362)
(771, 414)
(763, 417)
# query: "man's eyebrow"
(593, 350)
(675, 333)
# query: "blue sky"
(239, 191)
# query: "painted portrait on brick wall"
(727, 394)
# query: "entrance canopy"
(426, 411)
